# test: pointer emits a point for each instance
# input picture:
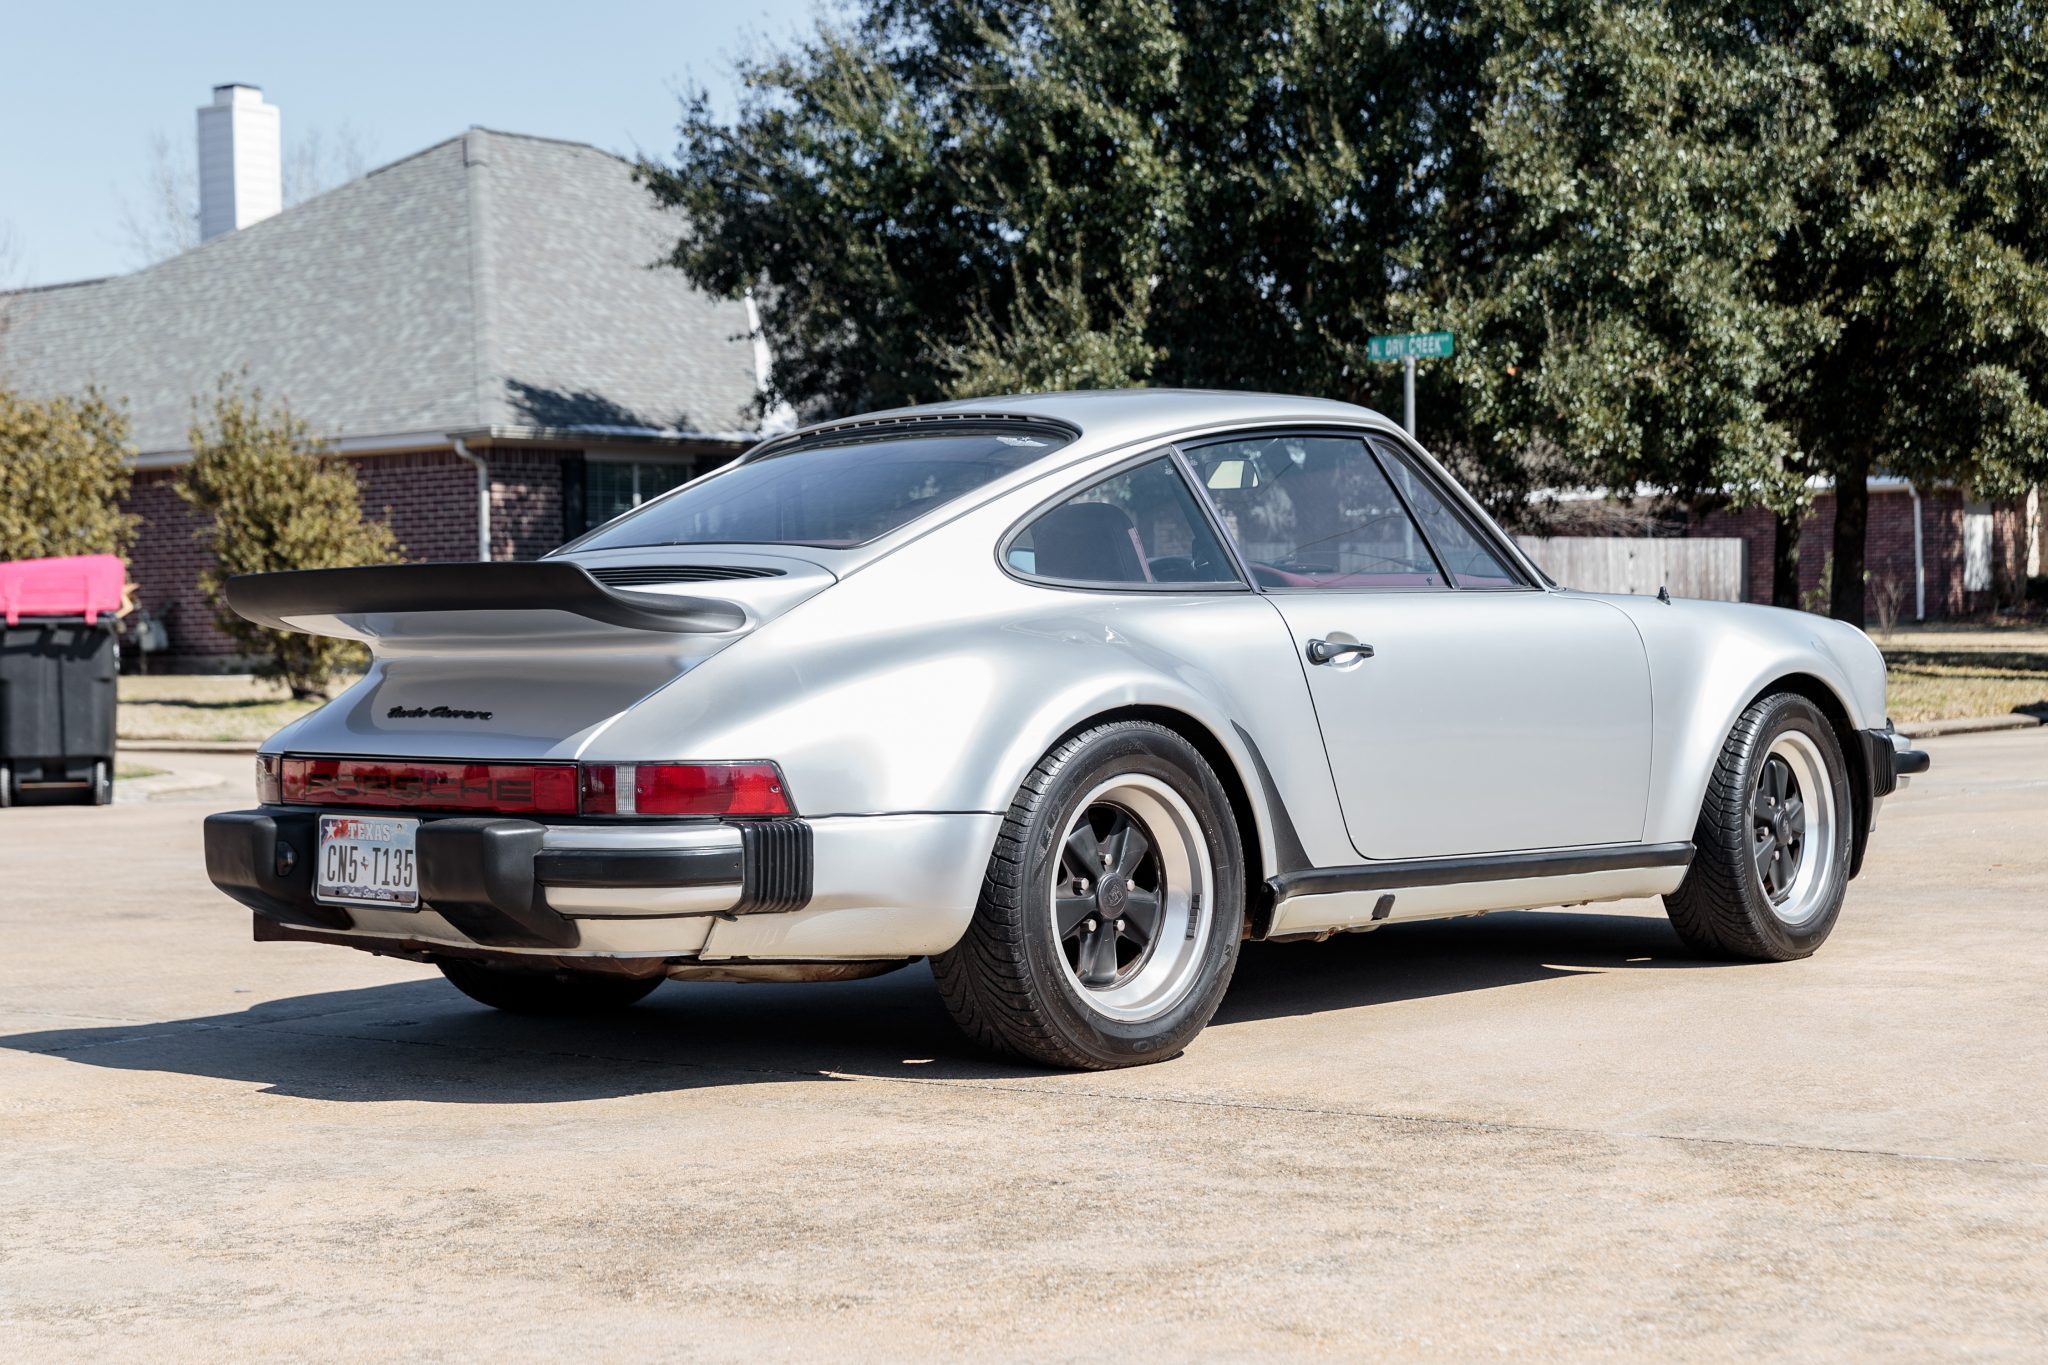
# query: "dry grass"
(171, 706)
(1941, 674)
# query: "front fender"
(1709, 661)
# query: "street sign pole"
(1408, 349)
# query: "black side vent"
(648, 575)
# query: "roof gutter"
(483, 497)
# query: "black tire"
(547, 993)
(102, 792)
(1011, 984)
(1724, 908)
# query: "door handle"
(1327, 651)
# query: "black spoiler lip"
(546, 585)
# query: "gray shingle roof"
(492, 280)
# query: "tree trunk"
(1785, 562)
(1852, 523)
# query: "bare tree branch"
(162, 218)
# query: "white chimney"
(241, 176)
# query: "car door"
(1463, 710)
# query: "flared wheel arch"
(1265, 835)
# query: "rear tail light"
(713, 789)
(409, 784)
(684, 789)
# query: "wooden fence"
(1713, 567)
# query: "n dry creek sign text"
(1412, 346)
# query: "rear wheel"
(1771, 859)
(549, 993)
(1110, 917)
(102, 793)
(6, 785)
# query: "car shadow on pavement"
(422, 1041)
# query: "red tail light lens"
(408, 784)
(684, 789)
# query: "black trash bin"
(57, 693)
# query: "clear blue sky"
(88, 85)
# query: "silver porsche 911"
(1071, 694)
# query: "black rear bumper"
(488, 876)
(1884, 762)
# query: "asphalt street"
(1540, 1135)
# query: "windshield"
(833, 496)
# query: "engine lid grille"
(651, 575)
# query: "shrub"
(63, 473)
(275, 501)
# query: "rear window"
(837, 495)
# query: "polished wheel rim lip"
(1792, 828)
(1144, 969)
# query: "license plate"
(368, 860)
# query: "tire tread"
(1711, 909)
(985, 980)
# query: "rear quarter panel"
(931, 680)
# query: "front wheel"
(1109, 919)
(547, 993)
(1771, 850)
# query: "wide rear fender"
(893, 693)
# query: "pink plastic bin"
(77, 585)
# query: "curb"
(186, 746)
(1971, 725)
(163, 784)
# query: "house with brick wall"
(1929, 553)
(480, 329)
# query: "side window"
(1471, 563)
(1142, 526)
(1315, 512)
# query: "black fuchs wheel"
(1771, 856)
(1109, 920)
(550, 993)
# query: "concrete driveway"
(1541, 1135)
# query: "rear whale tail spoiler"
(298, 600)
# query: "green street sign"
(1412, 346)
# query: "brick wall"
(428, 497)
(1888, 550)
(166, 562)
(526, 502)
